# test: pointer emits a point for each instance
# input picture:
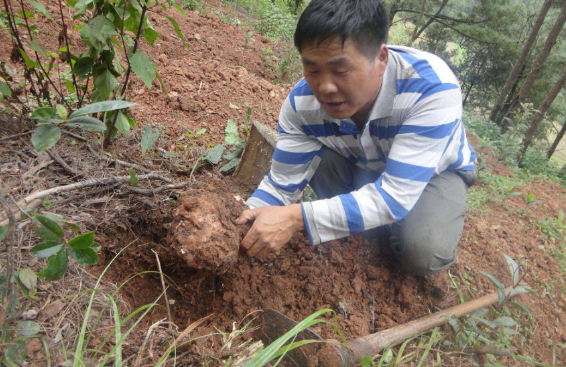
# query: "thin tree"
(556, 141)
(538, 116)
(418, 31)
(515, 72)
(535, 69)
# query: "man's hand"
(272, 229)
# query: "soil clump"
(203, 231)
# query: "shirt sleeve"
(294, 162)
(431, 124)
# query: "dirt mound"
(203, 231)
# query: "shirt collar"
(383, 105)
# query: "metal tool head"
(274, 325)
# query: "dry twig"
(150, 192)
(165, 292)
(57, 158)
(89, 183)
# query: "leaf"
(122, 124)
(522, 306)
(47, 248)
(5, 89)
(143, 67)
(87, 123)
(178, 30)
(83, 241)
(508, 331)
(493, 279)
(41, 9)
(28, 278)
(85, 256)
(83, 66)
(518, 290)
(161, 83)
(102, 107)
(38, 47)
(134, 178)
(101, 29)
(61, 111)
(366, 361)
(234, 106)
(44, 113)
(213, 156)
(480, 313)
(148, 138)
(29, 63)
(3, 231)
(56, 266)
(105, 84)
(45, 136)
(513, 268)
(231, 133)
(230, 165)
(96, 247)
(504, 321)
(150, 35)
(16, 351)
(201, 131)
(51, 228)
(180, 10)
(530, 197)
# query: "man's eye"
(341, 72)
(312, 71)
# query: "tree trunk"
(521, 61)
(418, 33)
(503, 124)
(556, 141)
(543, 54)
(537, 117)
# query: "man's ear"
(382, 58)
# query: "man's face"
(343, 80)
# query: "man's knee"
(422, 255)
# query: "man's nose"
(327, 86)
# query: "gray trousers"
(425, 240)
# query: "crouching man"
(377, 132)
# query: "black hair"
(363, 21)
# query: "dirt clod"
(203, 231)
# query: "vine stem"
(136, 43)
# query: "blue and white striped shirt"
(414, 132)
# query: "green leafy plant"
(530, 201)
(107, 29)
(56, 248)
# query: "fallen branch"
(15, 136)
(57, 158)
(78, 137)
(83, 195)
(89, 183)
(151, 192)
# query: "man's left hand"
(272, 229)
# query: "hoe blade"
(274, 324)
